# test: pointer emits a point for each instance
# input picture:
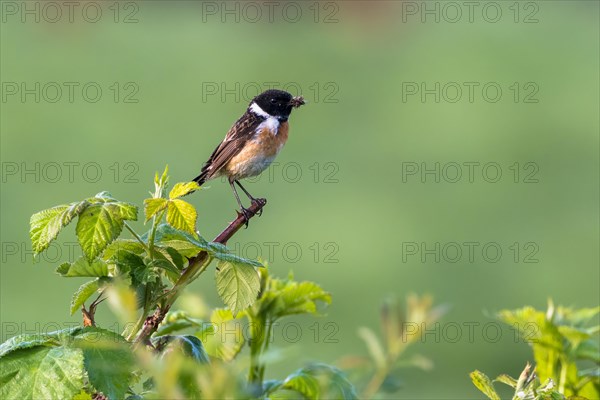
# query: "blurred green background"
(353, 62)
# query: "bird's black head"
(276, 103)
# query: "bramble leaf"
(166, 233)
(125, 211)
(46, 225)
(154, 206)
(484, 384)
(42, 372)
(83, 267)
(317, 381)
(182, 215)
(223, 338)
(84, 292)
(187, 345)
(232, 258)
(97, 228)
(181, 189)
(238, 285)
(107, 360)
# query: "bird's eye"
(273, 101)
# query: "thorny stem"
(196, 266)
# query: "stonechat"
(253, 142)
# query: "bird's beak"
(297, 101)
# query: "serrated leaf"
(302, 383)
(484, 384)
(238, 285)
(107, 360)
(184, 248)
(41, 366)
(125, 211)
(42, 372)
(288, 297)
(83, 267)
(320, 381)
(153, 206)
(232, 258)
(84, 292)
(132, 246)
(96, 228)
(223, 338)
(507, 380)
(46, 225)
(165, 233)
(182, 215)
(164, 264)
(183, 188)
(28, 340)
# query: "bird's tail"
(200, 179)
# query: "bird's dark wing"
(234, 141)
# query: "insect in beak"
(297, 101)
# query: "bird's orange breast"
(258, 153)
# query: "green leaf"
(319, 381)
(238, 285)
(164, 264)
(139, 271)
(507, 380)
(83, 267)
(84, 292)
(125, 211)
(303, 383)
(130, 245)
(153, 206)
(46, 225)
(374, 346)
(288, 297)
(166, 234)
(107, 360)
(41, 372)
(184, 248)
(41, 366)
(51, 366)
(97, 227)
(181, 189)
(182, 215)
(27, 341)
(484, 384)
(187, 345)
(232, 258)
(223, 338)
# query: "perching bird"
(253, 142)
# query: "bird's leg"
(244, 211)
(252, 199)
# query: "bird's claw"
(261, 203)
(246, 214)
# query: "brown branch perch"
(194, 265)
